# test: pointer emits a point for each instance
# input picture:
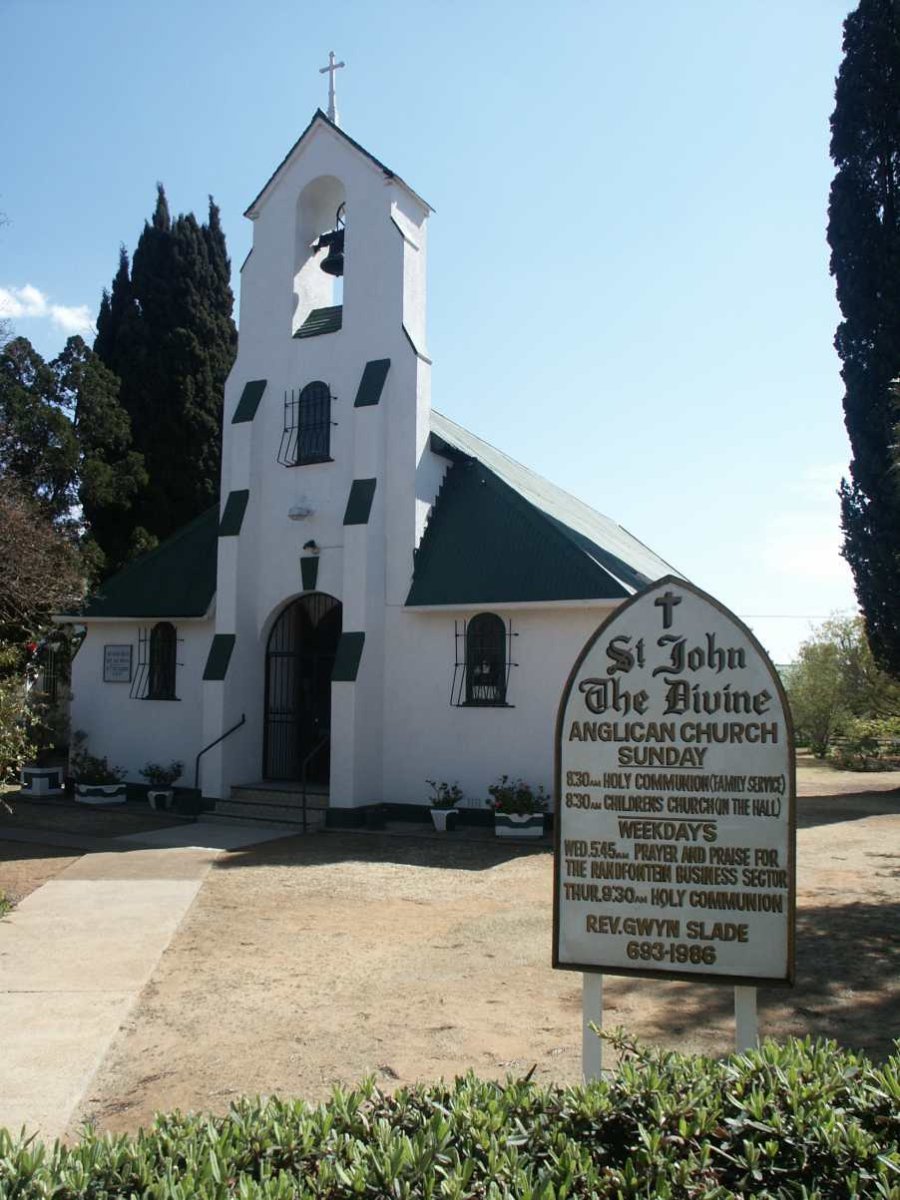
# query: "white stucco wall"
(428, 738)
(132, 732)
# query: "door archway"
(300, 656)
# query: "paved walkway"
(76, 953)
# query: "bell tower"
(326, 428)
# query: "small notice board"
(117, 664)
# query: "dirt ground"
(412, 958)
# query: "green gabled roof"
(499, 533)
(177, 579)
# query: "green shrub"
(20, 721)
(804, 1121)
(517, 798)
(868, 743)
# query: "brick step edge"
(272, 814)
(314, 800)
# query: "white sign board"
(117, 664)
(675, 824)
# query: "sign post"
(675, 806)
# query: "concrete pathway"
(75, 955)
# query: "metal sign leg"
(591, 1011)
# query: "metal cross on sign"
(331, 68)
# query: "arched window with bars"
(307, 426)
(486, 660)
(163, 660)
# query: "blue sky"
(628, 273)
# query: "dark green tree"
(110, 472)
(38, 446)
(864, 235)
(166, 330)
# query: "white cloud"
(28, 301)
(76, 319)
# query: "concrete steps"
(275, 804)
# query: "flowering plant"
(159, 776)
(446, 795)
(516, 798)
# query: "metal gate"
(299, 662)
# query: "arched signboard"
(675, 822)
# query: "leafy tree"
(109, 472)
(38, 447)
(864, 235)
(42, 571)
(834, 679)
(166, 330)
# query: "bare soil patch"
(25, 867)
(307, 963)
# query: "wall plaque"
(675, 825)
(117, 664)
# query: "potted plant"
(445, 797)
(96, 782)
(518, 808)
(161, 779)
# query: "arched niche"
(317, 207)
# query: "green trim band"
(347, 658)
(249, 401)
(372, 383)
(233, 513)
(359, 502)
(219, 657)
(309, 572)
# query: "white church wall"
(133, 732)
(426, 737)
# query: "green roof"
(321, 320)
(499, 533)
(177, 579)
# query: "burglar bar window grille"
(483, 662)
(157, 663)
(306, 437)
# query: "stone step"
(289, 797)
(271, 814)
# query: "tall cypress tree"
(167, 331)
(864, 235)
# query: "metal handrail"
(323, 741)
(241, 722)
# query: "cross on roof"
(331, 68)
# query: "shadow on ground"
(475, 850)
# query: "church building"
(381, 598)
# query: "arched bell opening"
(319, 247)
(300, 654)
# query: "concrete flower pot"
(444, 819)
(100, 794)
(42, 781)
(160, 799)
(519, 825)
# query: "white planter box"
(444, 819)
(42, 781)
(100, 793)
(513, 825)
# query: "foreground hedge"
(799, 1120)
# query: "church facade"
(381, 598)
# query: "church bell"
(333, 262)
